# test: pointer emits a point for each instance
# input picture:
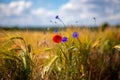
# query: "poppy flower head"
(57, 38)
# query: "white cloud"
(14, 8)
(82, 9)
(77, 10)
(42, 12)
(114, 17)
(15, 13)
(73, 10)
(109, 10)
(116, 1)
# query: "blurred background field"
(32, 54)
(59, 39)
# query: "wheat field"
(85, 54)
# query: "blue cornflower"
(64, 39)
(75, 35)
(57, 17)
(56, 30)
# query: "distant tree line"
(39, 28)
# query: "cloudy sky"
(43, 12)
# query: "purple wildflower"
(75, 35)
(64, 39)
(57, 17)
(56, 30)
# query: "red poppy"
(57, 38)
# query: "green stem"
(89, 74)
(63, 53)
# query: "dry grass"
(96, 44)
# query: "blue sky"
(41, 12)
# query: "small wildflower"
(57, 17)
(56, 30)
(64, 39)
(75, 35)
(57, 38)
